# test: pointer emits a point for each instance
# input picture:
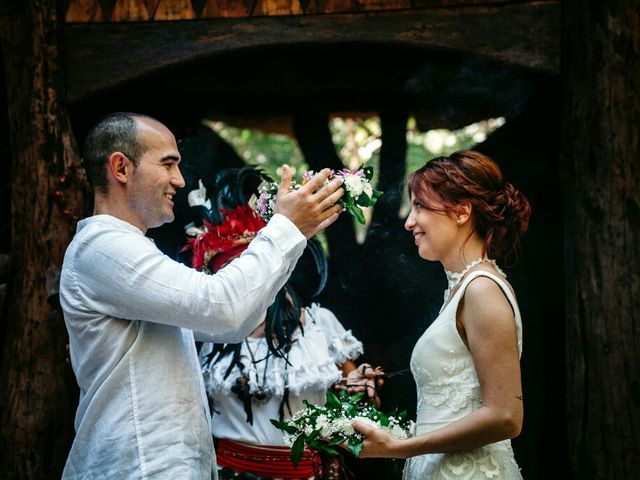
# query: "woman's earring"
(459, 222)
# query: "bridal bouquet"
(323, 428)
(358, 192)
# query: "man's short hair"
(117, 132)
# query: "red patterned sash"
(267, 461)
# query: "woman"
(296, 354)
(466, 364)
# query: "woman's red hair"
(500, 212)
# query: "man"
(131, 312)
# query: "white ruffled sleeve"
(342, 344)
(314, 358)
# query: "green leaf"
(348, 199)
(356, 212)
(322, 447)
(337, 440)
(330, 451)
(313, 435)
(284, 426)
(383, 419)
(355, 447)
(356, 397)
(332, 400)
(297, 450)
(364, 200)
(351, 411)
(368, 172)
(343, 395)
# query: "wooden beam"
(101, 56)
(91, 11)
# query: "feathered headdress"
(229, 224)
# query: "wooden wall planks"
(98, 11)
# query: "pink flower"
(350, 171)
(308, 175)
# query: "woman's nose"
(409, 222)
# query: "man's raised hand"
(313, 206)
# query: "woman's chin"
(426, 255)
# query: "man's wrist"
(284, 231)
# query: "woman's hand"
(377, 443)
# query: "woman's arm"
(489, 326)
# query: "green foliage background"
(357, 140)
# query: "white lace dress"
(448, 389)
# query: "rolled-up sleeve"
(126, 276)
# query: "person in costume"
(466, 364)
(297, 353)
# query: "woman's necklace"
(454, 278)
(262, 393)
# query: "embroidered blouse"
(314, 359)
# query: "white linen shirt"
(131, 313)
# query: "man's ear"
(120, 167)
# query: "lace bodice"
(448, 389)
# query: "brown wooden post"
(36, 393)
(601, 155)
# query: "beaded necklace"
(262, 393)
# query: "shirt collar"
(111, 220)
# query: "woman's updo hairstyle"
(500, 212)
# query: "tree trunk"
(601, 152)
(313, 135)
(36, 386)
(393, 165)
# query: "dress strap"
(500, 281)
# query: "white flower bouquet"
(324, 428)
(358, 192)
